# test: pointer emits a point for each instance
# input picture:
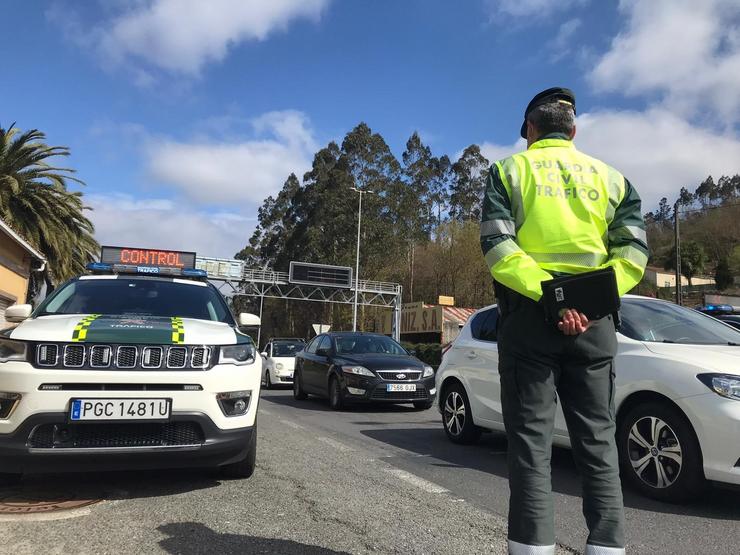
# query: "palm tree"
(34, 200)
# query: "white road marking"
(420, 483)
(292, 424)
(336, 444)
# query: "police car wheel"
(456, 416)
(298, 393)
(659, 454)
(245, 467)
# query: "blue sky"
(183, 115)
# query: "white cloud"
(181, 36)
(494, 152)
(220, 172)
(529, 8)
(656, 150)
(121, 219)
(686, 52)
(562, 44)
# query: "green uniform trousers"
(536, 361)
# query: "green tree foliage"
(35, 201)
(723, 275)
(471, 171)
(693, 260)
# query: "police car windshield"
(662, 322)
(368, 344)
(141, 296)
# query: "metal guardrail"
(234, 270)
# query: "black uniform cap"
(548, 96)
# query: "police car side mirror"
(18, 312)
(247, 319)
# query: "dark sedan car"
(349, 367)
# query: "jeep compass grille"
(123, 357)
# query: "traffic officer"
(547, 212)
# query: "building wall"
(668, 279)
(15, 266)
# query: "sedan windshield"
(663, 322)
(364, 344)
(286, 349)
(139, 296)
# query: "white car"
(677, 395)
(279, 361)
(120, 370)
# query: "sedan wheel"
(655, 452)
(456, 416)
(658, 452)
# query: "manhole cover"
(23, 503)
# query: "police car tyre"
(456, 416)
(245, 467)
(336, 397)
(298, 393)
(659, 454)
(423, 405)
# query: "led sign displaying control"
(147, 257)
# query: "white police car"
(139, 364)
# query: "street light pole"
(357, 261)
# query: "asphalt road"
(377, 479)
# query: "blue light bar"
(99, 267)
(192, 272)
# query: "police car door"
(480, 356)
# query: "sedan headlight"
(358, 370)
(428, 372)
(237, 354)
(12, 350)
(725, 385)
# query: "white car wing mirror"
(247, 319)
(18, 312)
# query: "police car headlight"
(237, 354)
(722, 384)
(428, 372)
(12, 350)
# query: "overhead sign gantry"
(305, 282)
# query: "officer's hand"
(573, 322)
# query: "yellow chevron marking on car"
(80, 331)
(178, 331)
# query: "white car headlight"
(725, 385)
(12, 350)
(358, 370)
(279, 366)
(428, 372)
(237, 354)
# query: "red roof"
(457, 314)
